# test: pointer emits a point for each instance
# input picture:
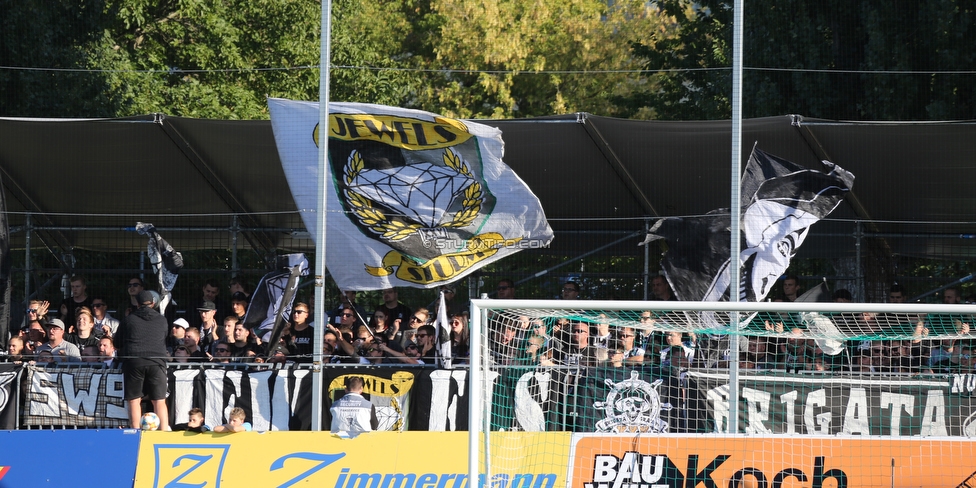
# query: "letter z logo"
(189, 466)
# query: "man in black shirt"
(79, 298)
(141, 342)
(393, 309)
(302, 333)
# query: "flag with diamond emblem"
(414, 198)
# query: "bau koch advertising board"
(665, 461)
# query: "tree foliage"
(836, 59)
(199, 58)
(193, 58)
(49, 34)
(504, 46)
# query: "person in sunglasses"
(405, 336)
(505, 289)
(299, 333)
(105, 323)
(427, 344)
(36, 312)
(133, 288)
(222, 353)
(347, 299)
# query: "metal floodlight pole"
(321, 220)
(734, 271)
(478, 328)
(647, 259)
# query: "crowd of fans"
(81, 329)
(900, 343)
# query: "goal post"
(805, 375)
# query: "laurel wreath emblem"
(394, 229)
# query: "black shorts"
(144, 378)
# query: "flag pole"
(323, 186)
(736, 210)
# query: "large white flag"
(415, 199)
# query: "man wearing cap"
(62, 350)
(141, 344)
(177, 331)
(210, 292)
(208, 324)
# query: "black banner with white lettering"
(8, 396)
(551, 399)
(841, 405)
(83, 396)
(525, 399)
(74, 396)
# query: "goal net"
(711, 379)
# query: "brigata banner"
(414, 198)
(840, 405)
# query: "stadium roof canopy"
(85, 182)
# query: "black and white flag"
(272, 299)
(781, 200)
(9, 397)
(165, 260)
(442, 334)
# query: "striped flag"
(166, 262)
(443, 333)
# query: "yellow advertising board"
(374, 460)
(659, 461)
(540, 460)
